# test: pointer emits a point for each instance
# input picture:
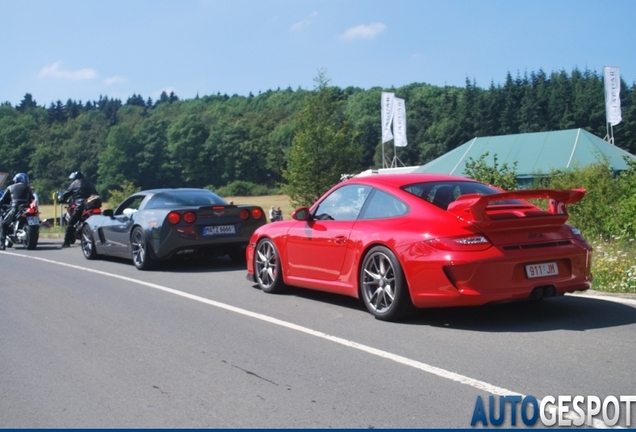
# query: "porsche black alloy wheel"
(383, 286)
(267, 267)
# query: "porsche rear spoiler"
(483, 212)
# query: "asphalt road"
(99, 344)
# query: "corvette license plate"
(219, 229)
(542, 270)
(33, 220)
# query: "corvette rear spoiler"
(483, 210)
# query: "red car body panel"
(327, 255)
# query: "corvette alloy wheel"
(139, 250)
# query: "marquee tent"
(536, 154)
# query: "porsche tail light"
(97, 211)
(190, 217)
(174, 218)
(257, 213)
(577, 234)
(461, 243)
(244, 214)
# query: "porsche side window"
(383, 205)
(343, 204)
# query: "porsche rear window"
(442, 194)
(184, 199)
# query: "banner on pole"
(612, 95)
(388, 100)
(399, 123)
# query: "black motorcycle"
(25, 227)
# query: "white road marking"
(442, 373)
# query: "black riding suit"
(78, 192)
(15, 196)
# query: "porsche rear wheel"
(267, 267)
(87, 243)
(383, 286)
(141, 255)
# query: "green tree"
(186, 139)
(323, 148)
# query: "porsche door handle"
(340, 240)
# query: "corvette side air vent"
(538, 245)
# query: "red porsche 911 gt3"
(421, 240)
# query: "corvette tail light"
(244, 214)
(174, 218)
(189, 217)
(257, 213)
(461, 243)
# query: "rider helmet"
(76, 175)
(21, 178)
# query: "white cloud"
(303, 24)
(300, 25)
(363, 31)
(115, 79)
(56, 71)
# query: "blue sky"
(81, 49)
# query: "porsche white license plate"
(219, 229)
(33, 220)
(542, 270)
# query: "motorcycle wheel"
(32, 236)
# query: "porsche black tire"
(141, 254)
(383, 286)
(267, 267)
(88, 244)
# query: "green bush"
(608, 210)
(502, 176)
(241, 188)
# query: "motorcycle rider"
(78, 191)
(18, 194)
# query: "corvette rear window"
(184, 199)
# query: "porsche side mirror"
(301, 214)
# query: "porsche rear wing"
(484, 212)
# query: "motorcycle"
(93, 207)
(25, 228)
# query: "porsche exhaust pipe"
(543, 292)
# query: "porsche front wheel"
(267, 267)
(383, 286)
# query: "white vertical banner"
(399, 123)
(387, 115)
(612, 95)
